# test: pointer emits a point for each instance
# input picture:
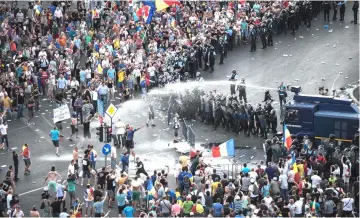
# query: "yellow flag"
(99, 69)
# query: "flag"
(163, 4)
(38, 9)
(150, 188)
(313, 206)
(287, 138)
(146, 11)
(225, 149)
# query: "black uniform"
(335, 7)
(355, 9)
(263, 33)
(253, 39)
(342, 11)
(16, 165)
(242, 91)
(270, 32)
(222, 51)
(326, 6)
(212, 56)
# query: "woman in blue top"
(121, 200)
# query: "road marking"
(12, 130)
(31, 191)
(48, 122)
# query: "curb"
(356, 101)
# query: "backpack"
(256, 190)
(186, 182)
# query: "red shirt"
(26, 152)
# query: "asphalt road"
(261, 69)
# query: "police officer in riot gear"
(308, 14)
(263, 34)
(326, 6)
(221, 50)
(242, 90)
(292, 21)
(199, 78)
(252, 38)
(273, 121)
(212, 56)
(233, 79)
(282, 94)
(270, 32)
(268, 97)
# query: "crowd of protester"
(101, 52)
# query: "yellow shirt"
(183, 160)
(199, 208)
(214, 186)
(7, 102)
(116, 43)
(301, 169)
(121, 76)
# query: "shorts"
(151, 116)
(121, 208)
(27, 162)
(72, 195)
(31, 113)
(52, 186)
(136, 195)
(56, 143)
(176, 132)
(87, 172)
(120, 84)
(89, 203)
(129, 144)
(110, 193)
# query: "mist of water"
(207, 86)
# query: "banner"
(61, 113)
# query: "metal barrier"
(188, 133)
(231, 170)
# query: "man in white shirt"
(268, 200)
(71, 168)
(4, 137)
(283, 179)
(291, 177)
(348, 205)
(120, 130)
(74, 84)
(315, 180)
(298, 208)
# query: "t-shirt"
(99, 205)
(217, 207)
(128, 211)
(101, 177)
(187, 206)
(71, 186)
(348, 204)
(245, 170)
(120, 198)
(54, 134)
(85, 164)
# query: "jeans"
(20, 109)
(284, 194)
(5, 138)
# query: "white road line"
(46, 120)
(31, 191)
(12, 130)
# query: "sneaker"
(33, 124)
(28, 124)
(153, 125)
(57, 154)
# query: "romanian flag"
(225, 149)
(163, 4)
(287, 138)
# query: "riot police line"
(232, 112)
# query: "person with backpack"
(254, 191)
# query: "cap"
(275, 179)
